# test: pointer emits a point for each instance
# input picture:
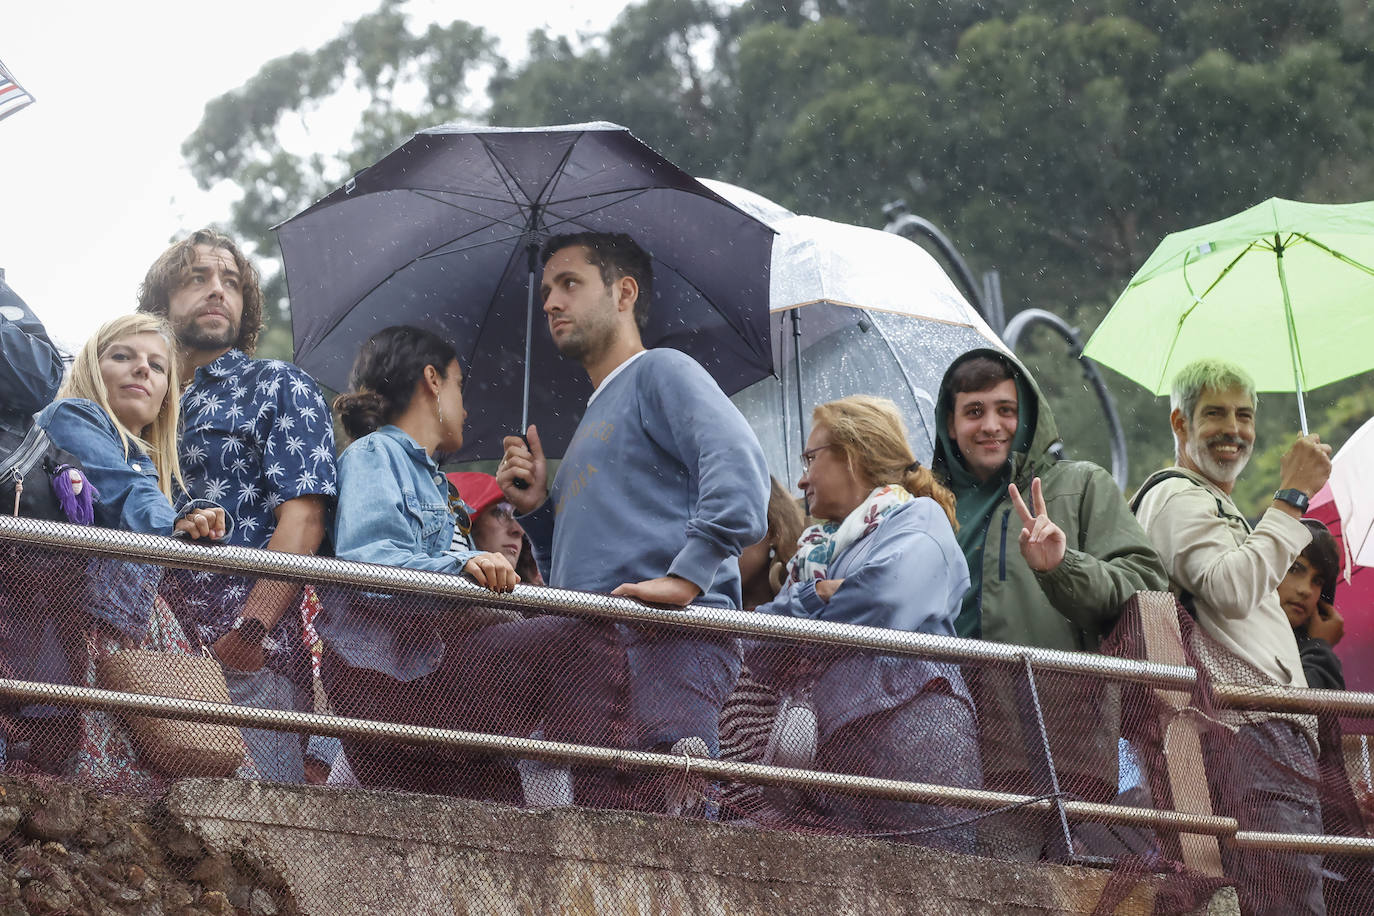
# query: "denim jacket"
(393, 510)
(120, 594)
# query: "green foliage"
(1054, 140)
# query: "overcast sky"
(92, 183)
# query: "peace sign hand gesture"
(1042, 541)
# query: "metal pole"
(532, 251)
(1021, 323)
(1040, 762)
(271, 564)
(561, 752)
(1292, 334)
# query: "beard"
(1218, 471)
(591, 336)
(191, 336)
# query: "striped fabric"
(13, 96)
(745, 724)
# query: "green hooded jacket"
(1072, 607)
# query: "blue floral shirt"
(255, 433)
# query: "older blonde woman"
(117, 412)
(884, 555)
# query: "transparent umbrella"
(852, 311)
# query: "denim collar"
(403, 437)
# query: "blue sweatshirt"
(663, 476)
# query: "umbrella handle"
(521, 483)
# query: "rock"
(261, 903)
(239, 892)
(60, 818)
(210, 872)
(10, 815)
(216, 904)
(29, 864)
(146, 839)
(137, 875)
(176, 897)
(44, 899)
(182, 844)
(54, 850)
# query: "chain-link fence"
(1162, 757)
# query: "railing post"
(1185, 770)
(1040, 763)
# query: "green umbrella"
(1284, 289)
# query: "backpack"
(40, 480)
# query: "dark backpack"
(35, 481)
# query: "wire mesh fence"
(1162, 756)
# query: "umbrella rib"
(1343, 258)
(508, 181)
(428, 194)
(906, 376)
(1197, 300)
(382, 282)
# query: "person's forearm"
(270, 599)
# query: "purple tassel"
(79, 509)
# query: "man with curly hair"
(256, 437)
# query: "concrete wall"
(356, 852)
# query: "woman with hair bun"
(435, 663)
(883, 554)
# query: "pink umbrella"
(1355, 601)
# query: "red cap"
(478, 490)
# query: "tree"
(1055, 141)
(379, 59)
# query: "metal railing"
(94, 542)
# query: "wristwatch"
(252, 630)
(1295, 498)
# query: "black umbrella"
(443, 233)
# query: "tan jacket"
(1232, 571)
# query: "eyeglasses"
(810, 454)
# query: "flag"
(12, 95)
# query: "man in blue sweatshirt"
(663, 485)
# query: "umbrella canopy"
(1355, 601)
(874, 314)
(1352, 491)
(1282, 289)
(441, 232)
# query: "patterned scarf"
(820, 544)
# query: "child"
(1307, 593)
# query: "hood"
(1034, 449)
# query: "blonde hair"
(159, 438)
(871, 434)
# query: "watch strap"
(1295, 498)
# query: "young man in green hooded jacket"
(1054, 574)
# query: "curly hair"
(172, 270)
(870, 432)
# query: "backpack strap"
(1185, 597)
